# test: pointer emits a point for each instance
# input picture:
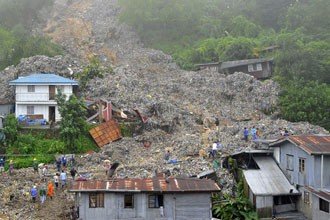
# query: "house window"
(306, 197)
(156, 201)
(324, 205)
(254, 67)
(30, 110)
(96, 200)
(129, 201)
(289, 162)
(31, 88)
(302, 164)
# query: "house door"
(51, 92)
(51, 114)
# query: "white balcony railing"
(36, 97)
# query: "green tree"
(10, 129)
(73, 122)
(306, 101)
(239, 207)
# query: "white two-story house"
(35, 95)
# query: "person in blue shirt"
(64, 161)
(254, 133)
(34, 193)
(246, 134)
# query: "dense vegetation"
(17, 19)
(194, 31)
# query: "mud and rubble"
(180, 107)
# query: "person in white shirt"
(56, 180)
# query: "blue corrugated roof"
(43, 79)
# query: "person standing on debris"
(254, 133)
(35, 165)
(2, 165)
(73, 173)
(246, 134)
(215, 164)
(50, 190)
(214, 149)
(286, 132)
(64, 161)
(72, 162)
(210, 152)
(63, 178)
(167, 156)
(42, 194)
(44, 173)
(56, 180)
(33, 193)
(217, 123)
(58, 164)
(106, 166)
(11, 167)
(258, 133)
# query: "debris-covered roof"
(236, 63)
(312, 144)
(269, 179)
(156, 184)
(43, 79)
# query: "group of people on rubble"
(59, 177)
(10, 166)
(255, 133)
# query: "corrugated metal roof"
(157, 184)
(312, 144)
(320, 193)
(230, 64)
(43, 79)
(269, 179)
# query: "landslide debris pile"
(180, 106)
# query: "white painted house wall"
(39, 99)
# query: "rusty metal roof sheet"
(106, 132)
(156, 184)
(312, 144)
(323, 194)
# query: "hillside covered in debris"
(180, 106)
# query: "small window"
(289, 162)
(30, 110)
(156, 201)
(302, 164)
(324, 205)
(96, 200)
(306, 197)
(254, 67)
(129, 201)
(31, 88)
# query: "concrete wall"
(317, 213)
(7, 109)
(303, 207)
(176, 207)
(264, 206)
